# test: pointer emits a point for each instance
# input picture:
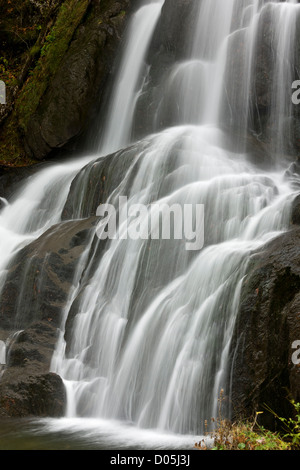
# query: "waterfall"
(117, 133)
(152, 321)
(152, 350)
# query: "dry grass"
(246, 435)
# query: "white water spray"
(153, 324)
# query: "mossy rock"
(62, 77)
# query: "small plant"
(50, 38)
(250, 435)
(291, 426)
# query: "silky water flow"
(153, 321)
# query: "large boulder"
(45, 270)
(69, 106)
(27, 388)
(58, 79)
(94, 183)
(31, 316)
(263, 372)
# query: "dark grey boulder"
(263, 373)
(30, 316)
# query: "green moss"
(52, 52)
(35, 50)
(47, 56)
(12, 153)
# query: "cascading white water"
(38, 204)
(152, 349)
(117, 132)
(154, 352)
(154, 321)
(35, 207)
(284, 39)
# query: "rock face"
(65, 67)
(267, 326)
(46, 270)
(67, 108)
(27, 387)
(94, 182)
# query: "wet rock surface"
(59, 58)
(68, 108)
(30, 318)
(27, 388)
(263, 372)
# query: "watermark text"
(2, 92)
(296, 353)
(155, 221)
(296, 94)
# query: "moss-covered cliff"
(55, 57)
